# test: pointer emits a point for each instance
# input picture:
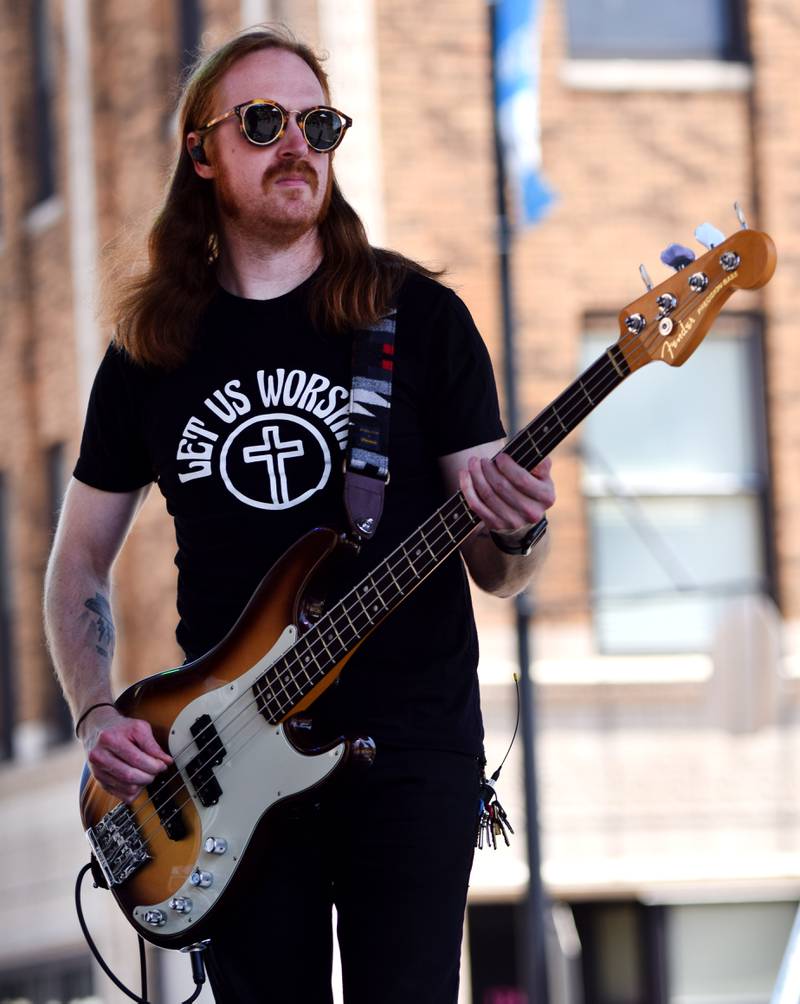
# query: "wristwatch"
(525, 544)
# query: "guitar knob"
(729, 260)
(180, 904)
(666, 303)
(201, 878)
(677, 256)
(635, 323)
(698, 281)
(155, 918)
(215, 845)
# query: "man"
(227, 384)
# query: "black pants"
(391, 846)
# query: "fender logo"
(669, 347)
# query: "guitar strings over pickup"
(211, 754)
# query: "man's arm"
(509, 501)
(122, 752)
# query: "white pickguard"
(260, 768)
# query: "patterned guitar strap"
(367, 459)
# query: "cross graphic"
(274, 450)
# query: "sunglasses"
(263, 122)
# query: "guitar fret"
(410, 562)
(363, 607)
(308, 657)
(330, 656)
(394, 577)
(336, 632)
(425, 542)
(586, 392)
(299, 667)
(356, 632)
(558, 418)
(444, 524)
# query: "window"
(41, 126)
(66, 981)
(682, 29)
(621, 952)
(494, 929)
(675, 476)
(7, 700)
(726, 952)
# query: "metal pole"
(534, 960)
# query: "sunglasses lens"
(323, 128)
(262, 123)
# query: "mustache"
(297, 168)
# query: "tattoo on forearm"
(105, 626)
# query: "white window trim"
(44, 215)
(655, 75)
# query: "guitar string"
(604, 381)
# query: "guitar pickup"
(211, 754)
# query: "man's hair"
(156, 312)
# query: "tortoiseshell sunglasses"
(263, 122)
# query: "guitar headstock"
(670, 320)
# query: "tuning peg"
(677, 256)
(740, 215)
(708, 235)
(646, 278)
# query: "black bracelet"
(89, 710)
(524, 545)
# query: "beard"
(278, 217)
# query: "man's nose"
(293, 142)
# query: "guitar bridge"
(118, 845)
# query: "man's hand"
(122, 752)
(507, 498)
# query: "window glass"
(687, 29)
(726, 952)
(674, 473)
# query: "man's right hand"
(122, 752)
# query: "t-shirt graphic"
(265, 439)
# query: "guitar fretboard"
(281, 687)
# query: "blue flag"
(516, 62)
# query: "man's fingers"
(118, 770)
(484, 500)
(125, 757)
(519, 491)
(126, 746)
(143, 735)
(536, 485)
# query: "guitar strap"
(366, 469)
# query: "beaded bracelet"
(101, 704)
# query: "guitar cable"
(195, 953)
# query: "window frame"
(747, 326)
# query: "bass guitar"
(230, 719)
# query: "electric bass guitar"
(231, 719)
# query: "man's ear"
(197, 151)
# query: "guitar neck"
(369, 602)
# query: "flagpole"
(533, 962)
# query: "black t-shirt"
(245, 441)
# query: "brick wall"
(633, 171)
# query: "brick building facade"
(669, 754)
